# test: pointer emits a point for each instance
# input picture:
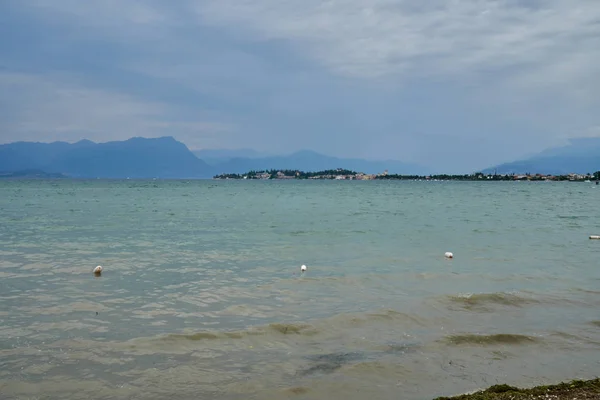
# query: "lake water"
(202, 297)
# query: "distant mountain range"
(134, 158)
(165, 158)
(581, 156)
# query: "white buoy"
(303, 268)
(98, 270)
(597, 237)
(448, 255)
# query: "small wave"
(294, 329)
(576, 338)
(573, 216)
(481, 300)
(401, 348)
(430, 275)
(590, 291)
(299, 233)
(394, 315)
(382, 315)
(278, 328)
(478, 230)
(297, 390)
(485, 340)
(206, 336)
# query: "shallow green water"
(201, 295)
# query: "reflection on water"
(201, 295)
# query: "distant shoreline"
(31, 174)
(343, 174)
(337, 174)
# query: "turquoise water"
(202, 296)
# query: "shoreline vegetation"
(31, 174)
(577, 389)
(344, 174)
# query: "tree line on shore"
(288, 173)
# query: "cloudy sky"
(455, 84)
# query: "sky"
(457, 85)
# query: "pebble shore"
(575, 390)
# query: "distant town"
(344, 174)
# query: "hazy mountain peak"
(136, 157)
(309, 160)
(581, 155)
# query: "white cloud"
(59, 109)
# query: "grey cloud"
(370, 38)
(536, 44)
(457, 82)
